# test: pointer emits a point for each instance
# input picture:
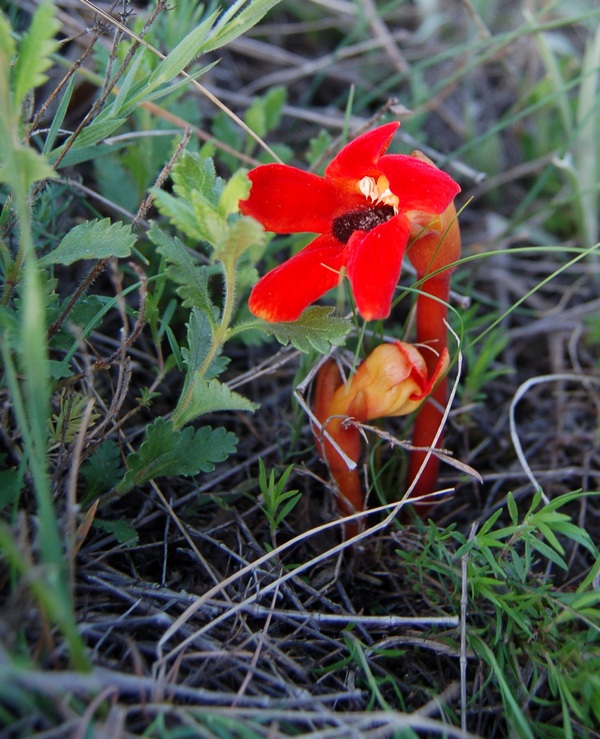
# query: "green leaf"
(102, 470)
(193, 172)
(127, 82)
(264, 113)
(92, 240)
(512, 508)
(316, 329)
(171, 452)
(59, 116)
(236, 189)
(576, 533)
(91, 135)
(487, 525)
(183, 54)
(191, 277)
(209, 396)
(238, 19)
(179, 212)
(141, 93)
(59, 369)
(240, 236)
(85, 153)
(199, 336)
(519, 721)
(549, 553)
(210, 223)
(35, 51)
(123, 532)
(550, 537)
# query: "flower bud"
(392, 381)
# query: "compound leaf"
(169, 452)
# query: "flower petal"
(288, 200)
(418, 185)
(359, 158)
(426, 384)
(374, 264)
(284, 292)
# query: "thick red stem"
(431, 330)
(433, 250)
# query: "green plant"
(278, 502)
(537, 639)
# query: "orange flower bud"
(392, 381)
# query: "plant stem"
(220, 336)
(434, 252)
(431, 329)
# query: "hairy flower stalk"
(392, 381)
(433, 253)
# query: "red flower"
(361, 208)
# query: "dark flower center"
(360, 220)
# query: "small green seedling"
(278, 502)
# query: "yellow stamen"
(378, 192)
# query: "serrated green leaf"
(35, 50)
(102, 470)
(179, 212)
(316, 329)
(236, 189)
(92, 240)
(169, 452)
(123, 531)
(191, 277)
(240, 236)
(210, 223)
(200, 334)
(59, 369)
(210, 396)
(183, 54)
(193, 172)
